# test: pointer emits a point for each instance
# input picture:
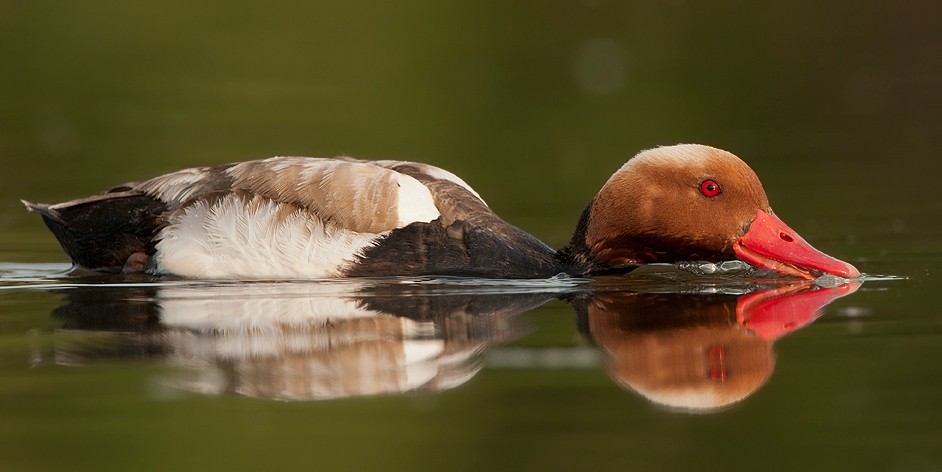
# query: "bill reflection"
(698, 352)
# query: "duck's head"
(694, 202)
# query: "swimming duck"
(296, 217)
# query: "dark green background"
(836, 105)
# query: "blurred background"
(837, 106)
(535, 104)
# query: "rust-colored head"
(694, 202)
(684, 202)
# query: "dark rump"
(103, 231)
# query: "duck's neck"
(578, 256)
(576, 253)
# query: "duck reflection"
(692, 350)
(298, 341)
(698, 352)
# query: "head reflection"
(698, 352)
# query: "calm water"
(535, 105)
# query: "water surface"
(632, 363)
(838, 110)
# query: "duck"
(309, 218)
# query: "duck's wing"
(349, 194)
(455, 199)
(282, 217)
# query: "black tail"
(101, 232)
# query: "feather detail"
(246, 236)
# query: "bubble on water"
(710, 268)
(829, 281)
(698, 268)
(732, 267)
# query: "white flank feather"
(237, 238)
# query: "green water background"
(838, 108)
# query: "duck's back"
(293, 217)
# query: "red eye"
(710, 188)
